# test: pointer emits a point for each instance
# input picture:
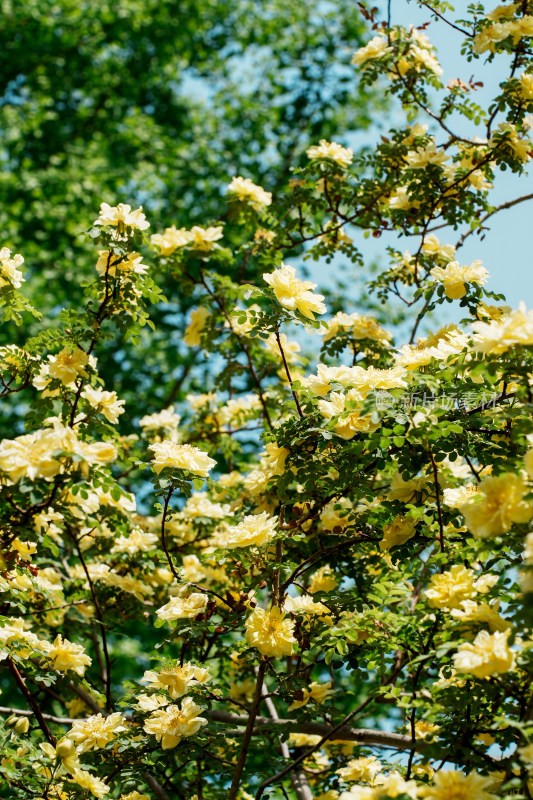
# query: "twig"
(19, 680)
(235, 783)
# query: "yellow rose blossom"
(290, 348)
(499, 504)
(449, 589)
(308, 607)
(361, 769)
(293, 293)
(270, 632)
(425, 729)
(106, 403)
(9, 269)
(122, 216)
(172, 239)
(526, 86)
(323, 580)
(397, 532)
(90, 782)
(112, 264)
(204, 240)
(350, 420)
(454, 277)
(137, 541)
(68, 364)
(181, 456)
(193, 337)
(165, 422)
(498, 336)
(317, 692)
(246, 191)
(470, 611)
(95, 732)
(171, 724)
(358, 326)
(183, 608)
(177, 680)
(24, 549)
(64, 656)
(455, 785)
(375, 49)
(489, 654)
(134, 796)
(331, 151)
(255, 529)
(425, 156)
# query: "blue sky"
(506, 250)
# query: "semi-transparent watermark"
(460, 401)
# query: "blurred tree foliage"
(157, 102)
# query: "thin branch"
(19, 680)
(250, 722)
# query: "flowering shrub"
(299, 582)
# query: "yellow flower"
(270, 632)
(204, 239)
(425, 729)
(246, 191)
(393, 785)
(317, 692)
(172, 239)
(68, 364)
(138, 541)
(65, 655)
(193, 332)
(308, 607)
(291, 349)
(176, 680)
(122, 216)
(303, 740)
(358, 326)
(181, 456)
(375, 48)
(90, 782)
(449, 589)
(361, 769)
(488, 37)
(454, 277)
(323, 580)
(331, 151)
(397, 532)
(350, 421)
(500, 504)
(498, 336)
(294, 294)
(134, 796)
(24, 549)
(106, 403)
(183, 608)
(109, 263)
(470, 611)
(96, 731)
(454, 785)
(9, 272)
(171, 724)
(526, 86)
(422, 157)
(489, 654)
(255, 529)
(165, 421)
